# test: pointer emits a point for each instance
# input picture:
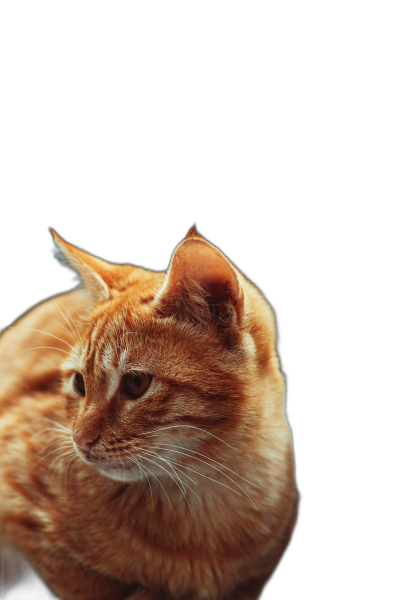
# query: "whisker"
(57, 441)
(67, 320)
(71, 463)
(132, 454)
(123, 466)
(133, 458)
(180, 470)
(61, 447)
(163, 458)
(155, 476)
(43, 332)
(182, 490)
(185, 474)
(63, 326)
(65, 459)
(209, 465)
(43, 348)
(59, 425)
(67, 454)
(192, 427)
(60, 431)
(212, 460)
(215, 481)
(141, 471)
(53, 429)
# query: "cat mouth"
(119, 470)
(106, 466)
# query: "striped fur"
(186, 492)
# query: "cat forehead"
(160, 346)
(140, 327)
(127, 341)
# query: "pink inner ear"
(218, 279)
(204, 264)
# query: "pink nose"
(84, 443)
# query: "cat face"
(136, 373)
(163, 362)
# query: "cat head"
(180, 359)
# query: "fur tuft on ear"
(192, 233)
(201, 284)
(88, 267)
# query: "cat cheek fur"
(185, 492)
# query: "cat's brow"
(114, 365)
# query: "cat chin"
(119, 474)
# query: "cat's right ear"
(94, 272)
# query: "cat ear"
(93, 271)
(201, 284)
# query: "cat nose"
(84, 443)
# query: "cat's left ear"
(201, 284)
(95, 273)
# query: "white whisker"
(61, 447)
(57, 441)
(212, 460)
(160, 447)
(60, 431)
(180, 470)
(136, 461)
(43, 348)
(182, 490)
(67, 453)
(67, 429)
(123, 466)
(155, 476)
(163, 458)
(192, 427)
(67, 458)
(63, 326)
(43, 332)
(67, 320)
(215, 481)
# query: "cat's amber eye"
(79, 384)
(135, 385)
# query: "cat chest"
(174, 552)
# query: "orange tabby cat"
(145, 451)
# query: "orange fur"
(182, 490)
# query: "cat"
(145, 450)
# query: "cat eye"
(135, 385)
(79, 384)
